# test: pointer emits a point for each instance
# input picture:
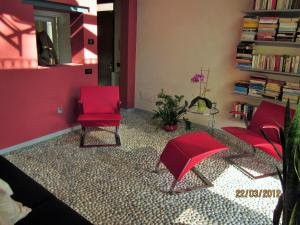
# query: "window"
(57, 27)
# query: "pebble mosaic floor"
(116, 186)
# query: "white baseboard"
(38, 140)
(143, 111)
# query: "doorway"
(108, 42)
(118, 66)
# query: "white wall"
(176, 38)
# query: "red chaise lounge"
(267, 117)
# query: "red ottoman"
(181, 154)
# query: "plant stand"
(211, 113)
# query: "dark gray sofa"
(46, 208)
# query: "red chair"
(267, 117)
(100, 107)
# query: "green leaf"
(287, 117)
(278, 210)
(282, 138)
(297, 161)
(186, 103)
(294, 214)
(159, 103)
(271, 142)
(169, 108)
(280, 177)
(294, 130)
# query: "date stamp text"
(257, 193)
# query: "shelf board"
(262, 98)
(287, 12)
(270, 72)
(276, 43)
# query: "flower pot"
(201, 106)
(169, 128)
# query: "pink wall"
(29, 94)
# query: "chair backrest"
(100, 99)
(268, 114)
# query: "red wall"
(30, 95)
(128, 52)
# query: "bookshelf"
(276, 43)
(281, 13)
(259, 71)
(269, 47)
(261, 98)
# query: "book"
(280, 4)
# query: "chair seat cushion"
(254, 139)
(100, 119)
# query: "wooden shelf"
(285, 13)
(288, 13)
(276, 43)
(262, 98)
(269, 72)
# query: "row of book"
(298, 35)
(247, 59)
(247, 109)
(270, 29)
(276, 4)
(260, 86)
(267, 28)
(241, 87)
(291, 91)
(287, 29)
(279, 63)
(250, 25)
(257, 86)
(273, 89)
(244, 55)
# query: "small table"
(181, 154)
(209, 112)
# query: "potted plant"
(169, 110)
(288, 206)
(201, 100)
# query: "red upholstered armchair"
(267, 117)
(100, 107)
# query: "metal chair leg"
(206, 183)
(172, 188)
(157, 166)
(254, 149)
(229, 159)
(117, 137)
(82, 138)
(83, 135)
